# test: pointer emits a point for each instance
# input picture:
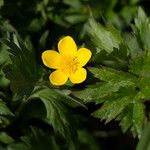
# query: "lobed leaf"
(58, 115)
(111, 109)
(110, 74)
(24, 71)
(114, 80)
(101, 36)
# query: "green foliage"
(118, 92)
(5, 138)
(123, 93)
(22, 75)
(4, 109)
(101, 36)
(57, 113)
(133, 45)
(5, 112)
(114, 80)
(142, 29)
(34, 115)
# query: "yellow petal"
(83, 56)
(67, 46)
(58, 78)
(51, 59)
(79, 76)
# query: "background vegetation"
(110, 110)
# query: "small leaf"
(134, 47)
(126, 118)
(5, 138)
(43, 39)
(138, 118)
(4, 110)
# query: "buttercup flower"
(68, 62)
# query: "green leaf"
(141, 67)
(43, 39)
(97, 93)
(112, 108)
(18, 146)
(100, 91)
(114, 80)
(24, 71)
(120, 96)
(4, 110)
(133, 117)
(136, 65)
(125, 106)
(62, 96)
(126, 118)
(143, 85)
(36, 24)
(141, 18)
(3, 81)
(128, 12)
(109, 74)
(142, 28)
(58, 115)
(146, 66)
(144, 143)
(104, 38)
(76, 18)
(1, 3)
(135, 49)
(138, 118)
(5, 138)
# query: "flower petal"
(79, 76)
(51, 59)
(58, 78)
(67, 46)
(83, 56)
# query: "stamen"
(69, 65)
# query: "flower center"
(69, 65)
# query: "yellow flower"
(68, 62)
